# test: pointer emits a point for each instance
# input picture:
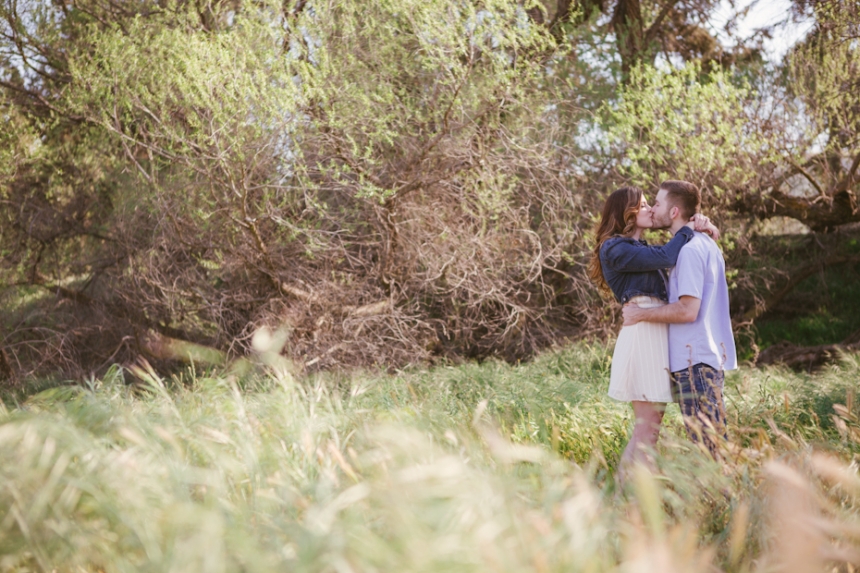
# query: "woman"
(634, 272)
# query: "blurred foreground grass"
(469, 468)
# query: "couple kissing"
(677, 341)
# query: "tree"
(394, 180)
(761, 142)
(823, 76)
(754, 146)
(381, 182)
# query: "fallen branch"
(371, 309)
(166, 348)
(300, 294)
(807, 357)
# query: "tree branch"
(846, 181)
(655, 26)
(806, 357)
(42, 102)
(797, 277)
(820, 216)
(562, 15)
(157, 345)
(808, 177)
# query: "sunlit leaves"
(686, 124)
(388, 80)
(188, 94)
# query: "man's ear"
(674, 212)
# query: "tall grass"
(469, 468)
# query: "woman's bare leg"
(649, 416)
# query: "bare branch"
(808, 177)
(848, 180)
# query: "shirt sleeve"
(625, 257)
(690, 272)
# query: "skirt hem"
(640, 362)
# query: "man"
(701, 343)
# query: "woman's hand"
(699, 222)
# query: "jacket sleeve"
(625, 257)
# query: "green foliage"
(822, 73)
(687, 124)
(16, 141)
(827, 311)
(395, 85)
(397, 180)
(187, 94)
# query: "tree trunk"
(6, 371)
(629, 34)
(821, 214)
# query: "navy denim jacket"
(632, 268)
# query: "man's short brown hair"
(683, 195)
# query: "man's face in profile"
(661, 211)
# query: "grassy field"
(469, 468)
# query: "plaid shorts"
(699, 391)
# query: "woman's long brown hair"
(619, 218)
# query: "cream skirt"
(640, 362)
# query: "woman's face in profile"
(643, 217)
